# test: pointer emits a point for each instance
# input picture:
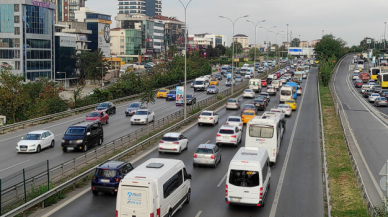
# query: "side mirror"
(88, 133)
(189, 176)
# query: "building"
(314, 42)
(27, 38)
(99, 24)
(66, 8)
(210, 39)
(242, 39)
(304, 44)
(158, 36)
(80, 30)
(173, 31)
(140, 7)
(286, 44)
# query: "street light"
(267, 38)
(254, 60)
(233, 46)
(65, 77)
(184, 83)
(323, 32)
(385, 27)
(276, 35)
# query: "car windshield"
(105, 105)
(226, 131)
(204, 151)
(134, 105)
(198, 82)
(244, 178)
(106, 173)
(94, 114)
(162, 90)
(75, 131)
(172, 92)
(234, 120)
(32, 137)
(212, 87)
(261, 131)
(285, 93)
(141, 113)
(170, 139)
(189, 96)
(206, 114)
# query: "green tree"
(238, 47)
(295, 42)
(148, 94)
(91, 65)
(330, 46)
(221, 49)
(251, 53)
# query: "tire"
(194, 165)
(188, 197)
(64, 150)
(95, 192)
(180, 151)
(115, 111)
(99, 142)
(85, 148)
(169, 213)
(38, 149)
(52, 144)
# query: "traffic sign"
(383, 171)
(383, 183)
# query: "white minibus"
(255, 85)
(286, 93)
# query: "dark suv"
(82, 135)
(108, 175)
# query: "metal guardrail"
(344, 125)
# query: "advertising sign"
(104, 38)
(179, 100)
(294, 51)
(67, 41)
(374, 60)
(134, 198)
(368, 41)
(82, 37)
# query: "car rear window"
(162, 90)
(204, 151)
(106, 173)
(234, 119)
(244, 178)
(206, 114)
(383, 98)
(247, 90)
(226, 131)
(249, 113)
(290, 101)
(232, 100)
(170, 139)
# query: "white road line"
(14, 165)
(207, 142)
(198, 214)
(284, 168)
(222, 180)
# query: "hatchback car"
(248, 93)
(271, 90)
(228, 135)
(162, 93)
(191, 99)
(108, 175)
(235, 121)
(248, 115)
(263, 98)
(381, 101)
(109, 107)
(291, 103)
(35, 141)
(208, 117)
(133, 107)
(355, 75)
(373, 97)
(232, 104)
(263, 83)
(173, 142)
(171, 95)
(259, 104)
(286, 109)
(98, 116)
(143, 116)
(212, 89)
(207, 154)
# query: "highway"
(300, 193)
(368, 132)
(119, 125)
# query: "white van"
(277, 84)
(272, 76)
(266, 132)
(255, 85)
(158, 187)
(248, 179)
(286, 93)
(201, 83)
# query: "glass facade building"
(149, 7)
(7, 18)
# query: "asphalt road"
(11, 161)
(299, 166)
(369, 133)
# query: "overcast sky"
(351, 20)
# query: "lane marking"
(222, 180)
(198, 214)
(285, 164)
(207, 142)
(13, 165)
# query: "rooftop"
(161, 17)
(240, 35)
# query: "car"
(228, 135)
(372, 83)
(286, 108)
(381, 101)
(239, 78)
(143, 116)
(263, 98)
(219, 77)
(269, 80)
(108, 175)
(101, 116)
(271, 90)
(259, 104)
(247, 75)
(358, 83)
(109, 107)
(232, 103)
(299, 90)
(304, 75)
(35, 141)
(373, 97)
(81, 136)
(377, 88)
(207, 154)
(248, 107)
(162, 93)
(212, 89)
(173, 142)
(291, 103)
(296, 80)
(367, 93)
(214, 81)
(263, 83)
(275, 110)
(248, 93)
(248, 115)
(208, 117)
(229, 82)
(235, 121)
(266, 95)
(355, 75)
(133, 107)
(192, 84)
(284, 80)
(171, 95)
(191, 99)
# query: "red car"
(263, 83)
(102, 116)
(277, 74)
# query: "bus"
(374, 72)
(294, 88)
(306, 68)
(360, 64)
(384, 79)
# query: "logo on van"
(261, 140)
(130, 194)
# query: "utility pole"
(323, 32)
(385, 26)
(287, 33)
(254, 59)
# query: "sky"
(351, 20)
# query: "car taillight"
(227, 123)
(226, 103)
(234, 136)
(117, 179)
(94, 178)
(261, 193)
(226, 192)
(195, 155)
(158, 212)
(212, 157)
(161, 141)
(199, 117)
(151, 215)
(288, 109)
(240, 124)
(175, 143)
(218, 135)
(117, 213)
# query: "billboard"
(179, 100)
(294, 51)
(82, 37)
(104, 38)
(67, 41)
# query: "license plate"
(225, 137)
(235, 199)
(105, 180)
(70, 148)
(23, 149)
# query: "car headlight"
(79, 141)
(63, 140)
(33, 145)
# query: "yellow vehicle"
(291, 103)
(316, 61)
(162, 93)
(214, 81)
(383, 79)
(374, 71)
(360, 69)
(248, 115)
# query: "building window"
(17, 30)
(16, 7)
(16, 18)
(39, 20)
(65, 7)
(121, 40)
(122, 47)
(7, 18)
(35, 43)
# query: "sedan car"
(171, 95)
(377, 88)
(248, 75)
(107, 106)
(235, 121)
(212, 89)
(208, 117)
(232, 104)
(367, 93)
(133, 107)
(248, 93)
(248, 115)
(373, 97)
(259, 104)
(239, 78)
(173, 142)
(229, 135)
(143, 116)
(35, 141)
(248, 107)
(266, 95)
(271, 90)
(162, 93)
(219, 77)
(98, 115)
(286, 108)
(214, 81)
(355, 75)
(381, 101)
(263, 98)
(207, 154)
(291, 103)
(191, 99)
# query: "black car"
(259, 104)
(133, 107)
(367, 93)
(109, 107)
(191, 99)
(219, 77)
(263, 98)
(82, 135)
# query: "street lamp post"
(276, 35)
(267, 39)
(287, 33)
(254, 59)
(184, 83)
(233, 46)
(323, 32)
(385, 27)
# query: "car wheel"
(95, 192)
(188, 197)
(38, 149)
(85, 148)
(100, 142)
(52, 144)
(64, 149)
(114, 111)
(180, 151)
(194, 165)
(170, 213)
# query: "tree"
(251, 53)
(12, 95)
(77, 94)
(148, 94)
(295, 42)
(330, 46)
(220, 49)
(238, 47)
(91, 65)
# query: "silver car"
(207, 154)
(239, 78)
(381, 101)
(232, 104)
(212, 89)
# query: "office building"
(304, 44)
(80, 30)
(66, 8)
(174, 31)
(210, 39)
(140, 7)
(242, 39)
(27, 49)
